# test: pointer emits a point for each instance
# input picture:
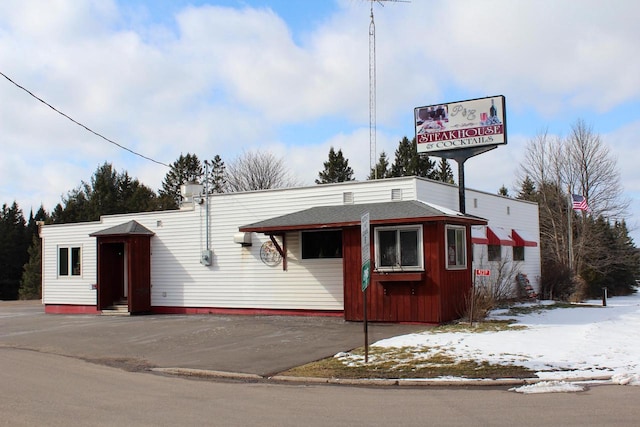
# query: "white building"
(294, 250)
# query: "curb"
(369, 382)
(204, 373)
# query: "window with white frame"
(456, 244)
(69, 261)
(399, 248)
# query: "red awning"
(522, 238)
(479, 236)
(499, 236)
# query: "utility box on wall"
(244, 239)
(206, 257)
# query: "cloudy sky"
(225, 76)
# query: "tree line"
(582, 251)
(111, 192)
(602, 253)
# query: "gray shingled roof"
(345, 215)
(126, 229)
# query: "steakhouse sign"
(464, 124)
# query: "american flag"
(579, 203)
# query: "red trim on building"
(520, 240)
(245, 311)
(479, 236)
(70, 309)
(499, 236)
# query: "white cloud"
(220, 80)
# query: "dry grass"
(409, 362)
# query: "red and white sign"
(483, 272)
(464, 124)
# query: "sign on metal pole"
(366, 250)
(461, 125)
(366, 276)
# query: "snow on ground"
(585, 341)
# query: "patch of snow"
(583, 341)
(548, 387)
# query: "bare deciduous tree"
(258, 170)
(558, 167)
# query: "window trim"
(70, 261)
(456, 228)
(398, 228)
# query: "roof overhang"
(131, 228)
(326, 217)
(479, 235)
(522, 238)
(499, 236)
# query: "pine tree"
(108, 192)
(381, 170)
(527, 190)
(336, 169)
(503, 191)
(218, 176)
(444, 172)
(31, 282)
(186, 169)
(409, 163)
(13, 250)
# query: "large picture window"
(321, 244)
(456, 244)
(399, 248)
(69, 261)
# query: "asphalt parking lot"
(260, 345)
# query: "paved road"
(45, 389)
(261, 345)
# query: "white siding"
(238, 278)
(68, 289)
(500, 211)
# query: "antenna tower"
(372, 87)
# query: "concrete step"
(116, 310)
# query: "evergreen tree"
(218, 176)
(336, 169)
(503, 191)
(31, 282)
(611, 260)
(444, 172)
(527, 190)
(74, 208)
(103, 193)
(381, 170)
(184, 170)
(13, 250)
(409, 163)
(108, 192)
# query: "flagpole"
(570, 231)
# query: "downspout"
(206, 203)
(206, 255)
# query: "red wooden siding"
(436, 295)
(110, 271)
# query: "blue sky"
(291, 77)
